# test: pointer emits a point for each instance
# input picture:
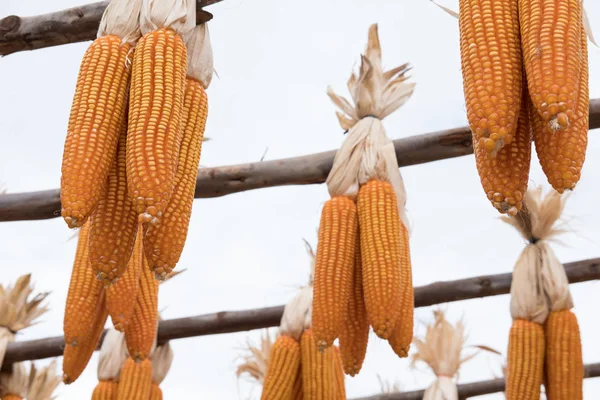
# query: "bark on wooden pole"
(303, 170)
(237, 321)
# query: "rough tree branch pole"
(303, 170)
(77, 24)
(237, 321)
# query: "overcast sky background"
(274, 60)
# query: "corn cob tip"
(160, 274)
(559, 122)
(149, 218)
(72, 223)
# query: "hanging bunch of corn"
(35, 384)
(544, 329)
(441, 349)
(156, 104)
(112, 355)
(161, 359)
(164, 243)
(18, 310)
(363, 271)
(85, 312)
(99, 112)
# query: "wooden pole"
(245, 320)
(303, 170)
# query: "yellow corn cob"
(336, 250)
(154, 131)
(85, 312)
(338, 373)
(525, 361)
(504, 179)
(379, 223)
(562, 153)
(121, 296)
(135, 382)
(140, 332)
(284, 363)
(11, 397)
(156, 392)
(402, 335)
(551, 43)
(491, 69)
(114, 222)
(164, 243)
(318, 379)
(354, 335)
(105, 390)
(98, 112)
(564, 363)
(298, 390)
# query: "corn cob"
(298, 390)
(85, 312)
(317, 370)
(338, 373)
(121, 295)
(11, 397)
(551, 43)
(140, 332)
(354, 335)
(284, 363)
(105, 390)
(504, 179)
(491, 69)
(402, 335)
(154, 131)
(380, 254)
(334, 268)
(114, 222)
(97, 115)
(564, 363)
(165, 242)
(136, 380)
(562, 153)
(525, 361)
(156, 392)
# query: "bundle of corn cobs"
(129, 169)
(363, 274)
(525, 76)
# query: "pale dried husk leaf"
(367, 152)
(113, 354)
(555, 281)
(43, 382)
(200, 55)
(527, 297)
(443, 388)
(178, 15)
(162, 358)
(6, 337)
(256, 360)
(16, 382)
(297, 314)
(122, 19)
(588, 27)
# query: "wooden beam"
(77, 24)
(303, 170)
(468, 390)
(245, 320)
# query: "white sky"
(275, 60)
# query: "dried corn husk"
(43, 382)
(256, 359)
(17, 310)
(441, 348)
(162, 358)
(200, 55)
(367, 152)
(122, 19)
(15, 382)
(113, 354)
(179, 15)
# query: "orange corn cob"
(98, 112)
(318, 379)
(140, 332)
(562, 153)
(298, 390)
(114, 222)
(504, 179)
(402, 335)
(85, 312)
(525, 361)
(354, 335)
(336, 250)
(11, 397)
(491, 63)
(156, 392)
(338, 373)
(135, 382)
(380, 243)
(284, 363)
(564, 362)
(154, 131)
(165, 242)
(121, 296)
(105, 390)
(551, 42)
